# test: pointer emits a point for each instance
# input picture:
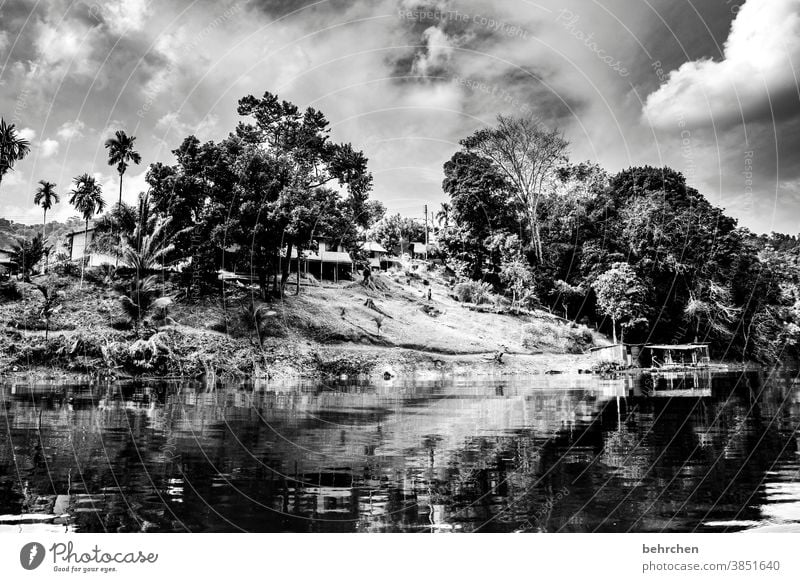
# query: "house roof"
(678, 347)
(336, 257)
(327, 256)
(373, 246)
(81, 230)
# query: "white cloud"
(64, 47)
(173, 127)
(71, 130)
(125, 16)
(439, 50)
(27, 133)
(48, 148)
(761, 51)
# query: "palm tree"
(45, 197)
(87, 198)
(12, 147)
(146, 248)
(121, 152)
(49, 308)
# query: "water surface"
(540, 453)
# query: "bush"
(122, 324)
(550, 335)
(64, 266)
(9, 291)
(473, 292)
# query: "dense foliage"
(640, 252)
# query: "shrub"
(473, 292)
(122, 324)
(551, 335)
(9, 291)
(64, 266)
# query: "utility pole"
(426, 232)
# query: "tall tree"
(528, 155)
(87, 198)
(121, 152)
(13, 148)
(45, 197)
(481, 206)
(312, 163)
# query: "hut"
(624, 355)
(672, 356)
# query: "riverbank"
(344, 330)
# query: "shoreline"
(367, 363)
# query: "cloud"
(71, 130)
(27, 133)
(755, 80)
(437, 55)
(62, 48)
(125, 16)
(48, 148)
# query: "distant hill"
(11, 232)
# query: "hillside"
(325, 330)
(11, 232)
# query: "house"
(419, 250)
(375, 253)
(379, 257)
(330, 261)
(656, 356)
(77, 242)
(676, 356)
(7, 265)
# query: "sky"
(708, 87)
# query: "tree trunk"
(85, 246)
(536, 242)
(614, 329)
(116, 258)
(285, 267)
(44, 231)
(262, 283)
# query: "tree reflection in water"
(571, 453)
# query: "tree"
(395, 232)
(300, 141)
(515, 270)
(49, 308)
(87, 198)
(28, 253)
(13, 148)
(45, 197)
(118, 223)
(144, 250)
(121, 152)
(621, 296)
(481, 206)
(143, 297)
(528, 156)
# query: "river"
(546, 453)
